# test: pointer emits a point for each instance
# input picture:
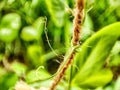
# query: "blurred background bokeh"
(35, 34)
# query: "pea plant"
(59, 45)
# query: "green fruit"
(29, 33)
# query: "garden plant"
(59, 44)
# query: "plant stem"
(79, 16)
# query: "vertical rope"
(79, 15)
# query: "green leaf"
(11, 20)
(56, 9)
(19, 68)
(29, 33)
(38, 74)
(34, 52)
(98, 79)
(39, 25)
(2, 72)
(9, 27)
(115, 56)
(76, 88)
(88, 22)
(67, 31)
(71, 3)
(95, 51)
(8, 34)
(117, 84)
(8, 80)
(1, 57)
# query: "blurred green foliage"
(35, 34)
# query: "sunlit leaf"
(34, 52)
(29, 33)
(98, 79)
(37, 75)
(95, 51)
(8, 34)
(18, 68)
(117, 84)
(115, 56)
(8, 80)
(9, 27)
(56, 10)
(11, 20)
(39, 25)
